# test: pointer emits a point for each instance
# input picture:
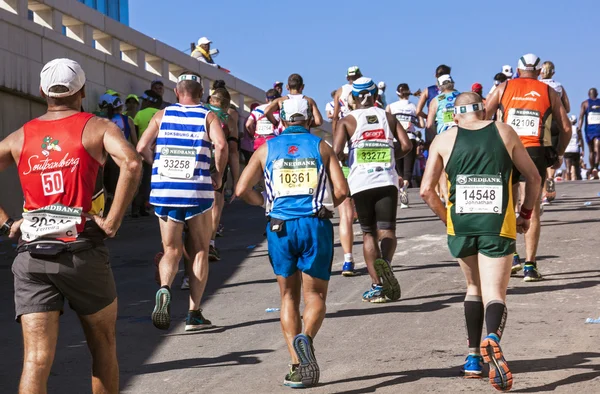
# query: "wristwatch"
(5, 229)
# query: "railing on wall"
(85, 30)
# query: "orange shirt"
(526, 106)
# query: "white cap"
(62, 72)
(353, 71)
(507, 70)
(108, 100)
(294, 110)
(381, 85)
(446, 78)
(203, 41)
(530, 62)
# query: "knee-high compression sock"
(495, 317)
(474, 321)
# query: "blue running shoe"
(348, 269)
(473, 367)
(391, 287)
(196, 322)
(374, 295)
(308, 369)
(516, 264)
(161, 316)
(531, 273)
(500, 375)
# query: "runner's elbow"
(133, 165)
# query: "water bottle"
(269, 310)
(589, 320)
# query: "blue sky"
(400, 41)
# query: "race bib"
(447, 116)
(177, 163)
(479, 194)
(526, 122)
(593, 118)
(294, 177)
(54, 221)
(264, 127)
(405, 120)
(374, 153)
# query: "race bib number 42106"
(293, 177)
(479, 194)
(526, 122)
(177, 163)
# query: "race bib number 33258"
(479, 194)
(178, 163)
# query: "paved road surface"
(415, 345)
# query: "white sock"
(348, 258)
(212, 243)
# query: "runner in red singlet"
(61, 253)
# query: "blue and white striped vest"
(180, 173)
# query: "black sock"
(495, 317)
(166, 287)
(474, 320)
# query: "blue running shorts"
(180, 214)
(304, 244)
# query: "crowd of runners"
(490, 164)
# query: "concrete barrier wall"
(113, 56)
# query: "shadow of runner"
(571, 361)
(226, 360)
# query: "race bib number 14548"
(479, 194)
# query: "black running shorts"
(84, 278)
(376, 208)
(538, 155)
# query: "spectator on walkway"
(132, 106)
(158, 87)
(202, 52)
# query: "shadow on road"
(571, 361)
(226, 360)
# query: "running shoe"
(213, 254)
(391, 287)
(546, 201)
(404, 198)
(157, 259)
(374, 295)
(473, 367)
(185, 283)
(550, 189)
(531, 273)
(161, 316)
(196, 322)
(308, 369)
(403, 206)
(292, 379)
(500, 375)
(220, 230)
(516, 264)
(348, 269)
